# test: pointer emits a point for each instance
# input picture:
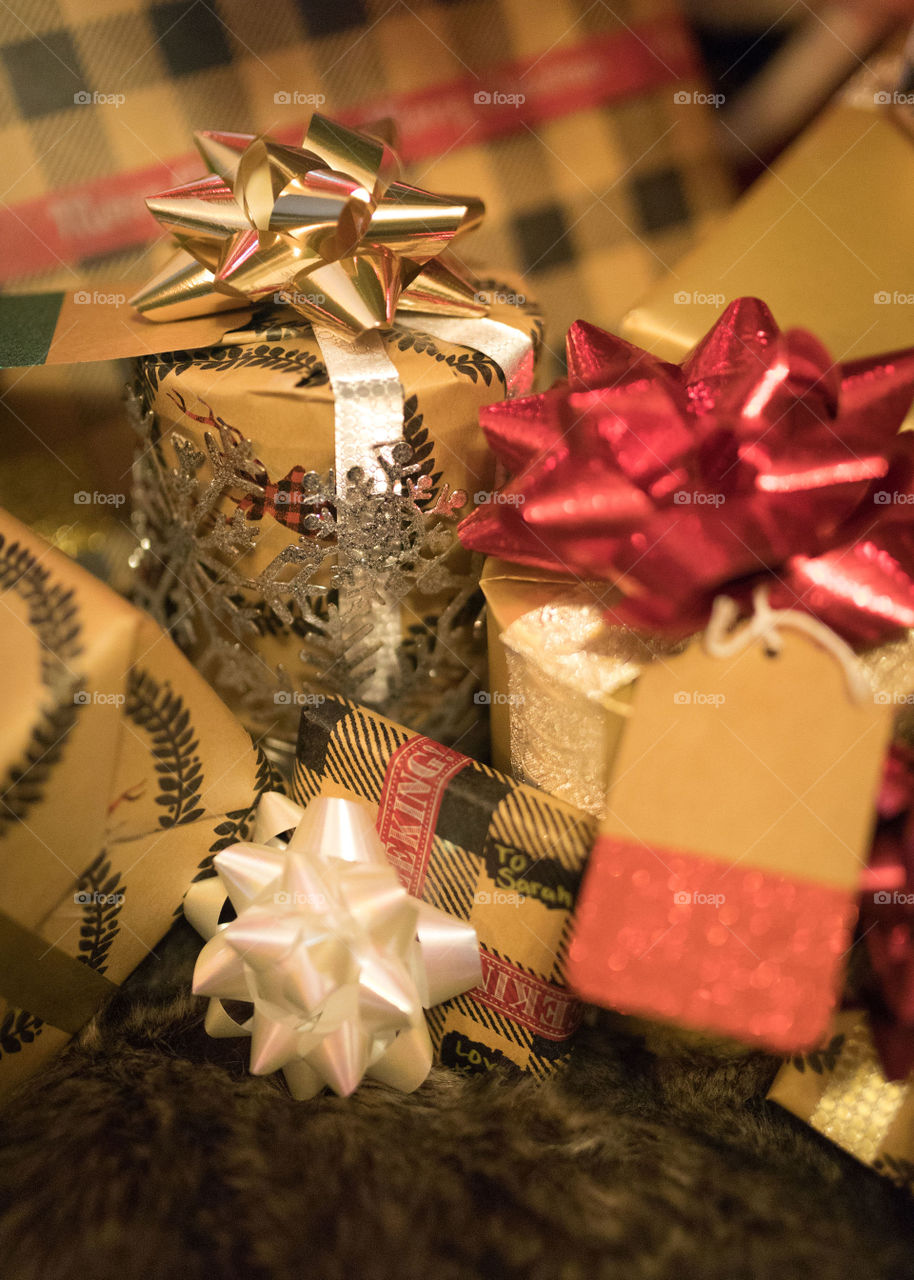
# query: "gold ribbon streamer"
(336, 958)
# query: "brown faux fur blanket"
(147, 1151)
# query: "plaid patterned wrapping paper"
(594, 184)
(483, 848)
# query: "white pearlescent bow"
(336, 958)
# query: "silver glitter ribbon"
(511, 350)
(569, 682)
(336, 958)
(368, 407)
(858, 1105)
(368, 404)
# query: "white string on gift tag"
(721, 641)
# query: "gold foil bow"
(337, 960)
(327, 225)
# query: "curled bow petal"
(335, 961)
(328, 225)
(758, 459)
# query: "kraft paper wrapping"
(840, 1090)
(267, 384)
(502, 856)
(122, 775)
(825, 237)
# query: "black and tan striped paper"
(503, 856)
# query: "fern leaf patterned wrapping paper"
(121, 774)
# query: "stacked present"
(698, 606)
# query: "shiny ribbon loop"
(327, 224)
(511, 349)
(757, 459)
(337, 960)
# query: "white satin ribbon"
(368, 404)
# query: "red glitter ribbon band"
(668, 934)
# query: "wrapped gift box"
(562, 679)
(466, 839)
(277, 589)
(840, 1090)
(122, 774)
(585, 130)
(824, 237)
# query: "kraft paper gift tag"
(721, 890)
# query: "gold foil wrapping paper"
(121, 772)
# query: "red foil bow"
(758, 458)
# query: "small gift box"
(123, 773)
(825, 236)
(704, 507)
(565, 645)
(298, 484)
(503, 857)
(540, 109)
